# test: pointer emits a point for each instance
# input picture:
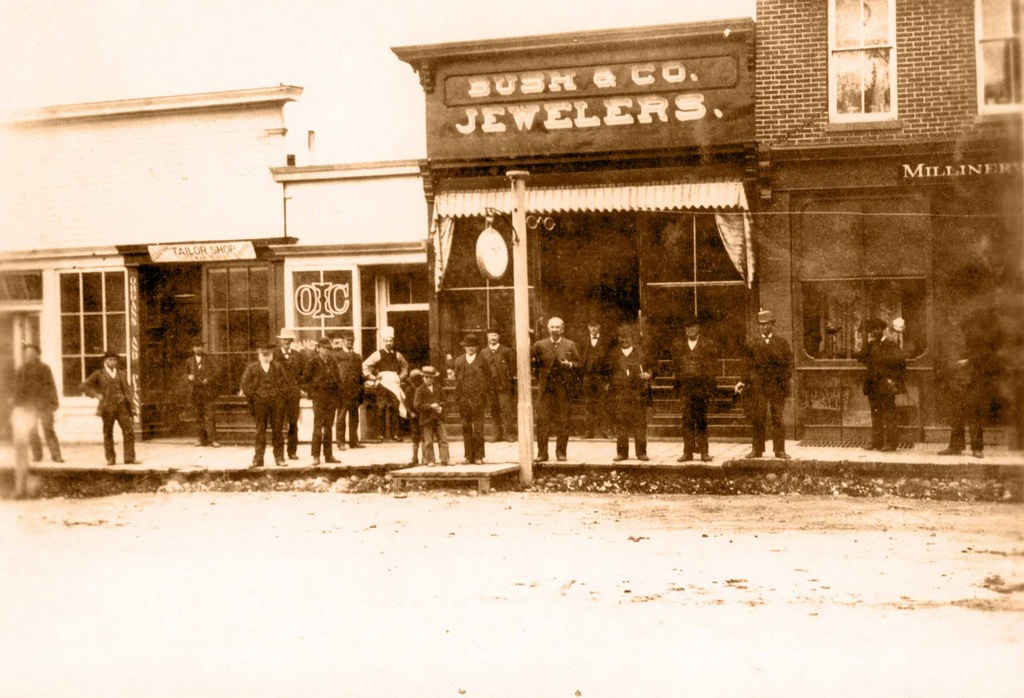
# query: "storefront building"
(141, 225)
(640, 152)
(890, 186)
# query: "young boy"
(431, 418)
(409, 388)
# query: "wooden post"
(521, 295)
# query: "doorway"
(171, 317)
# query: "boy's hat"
(323, 342)
(765, 316)
(428, 371)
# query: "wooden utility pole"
(521, 295)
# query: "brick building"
(889, 184)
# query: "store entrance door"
(171, 317)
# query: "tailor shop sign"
(671, 102)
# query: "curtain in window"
(442, 232)
(734, 229)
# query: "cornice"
(231, 99)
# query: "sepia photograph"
(603, 349)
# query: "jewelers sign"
(577, 93)
(202, 252)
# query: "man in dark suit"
(503, 376)
(630, 393)
(886, 364)
(320, 381)
(201, 375)
(972, 385)
(350, 378)
(556, 360)
(472, 387)
(765, 383)
(266, 384)
(695, 362)
(110, 385)
(35, 391)
(293, 362)
(594, 380)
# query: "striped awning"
(718, 195)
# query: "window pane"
(92, 292)
(846, 66)
(238, 288)
(996, 57)
(833, 314)
(996, 18)
(93, 326)
(72, 376)
(398, 288)
(892, 298)
(95, 363)
(116, 332)
(668, 250)
(218, 331)
(713, 262)
(258, 287)
(876, 22)
(33, 286)
(115, 290)
(895, 239)
(238, 330)
(69, 293)
(260, 328)
(218, 288)
(71, 334)
(419, 289)
(848, 23)
(876, 81)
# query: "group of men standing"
(275, 383)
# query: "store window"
(93, 321)
(862, 60)
(997, 30)
(322, 301)
(238, 318)
(860, 260)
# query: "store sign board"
(667, 100)
(203, 252)
(927, 170)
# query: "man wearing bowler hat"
(109, 385)
(884, 379)
(594, 366)
(765, 384)
(694, 359)
(201, 375)
(320, 381)
(503, 386)
(265, 384)
(350, 377)
(293, 362)
(472, 387)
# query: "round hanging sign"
(491, 254)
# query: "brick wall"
(936, 78)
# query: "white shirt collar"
(627, 352)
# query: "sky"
(363, 103)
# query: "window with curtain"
(997, 31)
(862, 60)
(93, 321)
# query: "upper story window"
(862, 60)
(997, 28)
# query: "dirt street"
(445, 594)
